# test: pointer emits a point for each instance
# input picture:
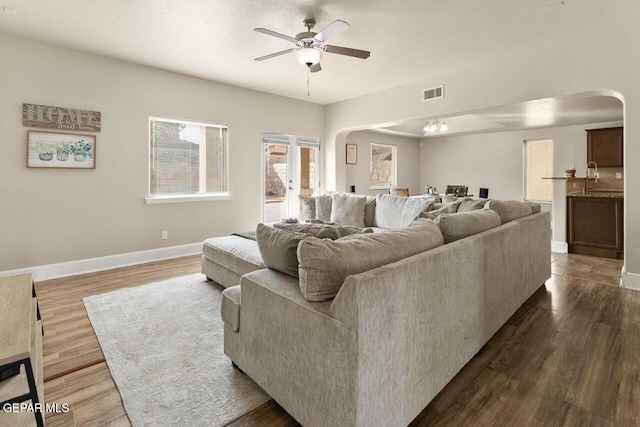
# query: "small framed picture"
(352, 154)
(60, 150)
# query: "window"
(383, 166)
(187, 159)
(538, 164)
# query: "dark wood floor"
(569, 356)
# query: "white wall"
(56, 215)
(408, 150)
(495, 161)
(603, 63)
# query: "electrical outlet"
(165, 235)
(618, 175)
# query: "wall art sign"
(60, 150)
(45, 116)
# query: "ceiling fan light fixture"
(308, 56)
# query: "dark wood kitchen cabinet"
(595, 226)
(605, 147)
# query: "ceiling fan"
(310, 45)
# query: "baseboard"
(559, 247)
(630, 280)
(72, 268)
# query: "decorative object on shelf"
(48, 117)
(60, 150)
(570, 173)
(436, 125)
(352, 154)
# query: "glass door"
(290, 170)
(277, 183)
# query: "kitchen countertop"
(598, 193)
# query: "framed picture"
(352, 154)
(60, 150)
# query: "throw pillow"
(370, 212)
(509, 210)
(325, 264)
(323, 207)
(307, 208)
(348, 210)
(316, 230)
(468, 205)
(460, 225)
(395, 212)
(278, 248)
(535, 207)
(445, 208)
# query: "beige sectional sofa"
(393, 336)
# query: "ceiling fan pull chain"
(308, 88)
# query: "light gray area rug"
(164, 346)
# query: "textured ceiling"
(409, 40)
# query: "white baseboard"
(559, 247)
(71, 268)
(630, 280)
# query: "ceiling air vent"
(433, 93)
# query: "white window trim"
(177, 198)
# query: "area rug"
(163, 343)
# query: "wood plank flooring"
(569, 356)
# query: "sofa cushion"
(399, 212)
(234, 253)
(370, 211)
(468, 205)
(325, 264)
(307, 208)
(509, 210)
(323, 207)
(347, 209)
(460, 225)
(278, 248)
(230, 308)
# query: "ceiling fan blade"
(315, 68)
(364, 54)
(273, 55)
(331, 30)
(274, 34)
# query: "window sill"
(153, 200)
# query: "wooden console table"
(21, 349)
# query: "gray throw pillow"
(370, 212)
(325, 264)
(323, 207)
(316, 230)
(460, 225)
(445, 208)
(307, 208)
(468, 205)
(343, 230)
(347, 209)
(278, 248)
(509, 210)
(535, 207)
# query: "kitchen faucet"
(595, 176)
